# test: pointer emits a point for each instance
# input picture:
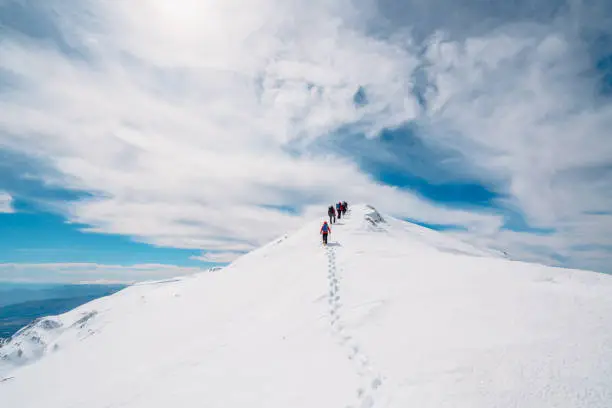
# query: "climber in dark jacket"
(332, 214)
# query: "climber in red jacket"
(325, 231)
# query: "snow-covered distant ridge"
(44, 334)
(35, 340)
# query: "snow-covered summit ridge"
(366, 219)
(44, 335)
(390, 314)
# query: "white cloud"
(186, 121)
(521, 109)
(6, 202)
(181, 119)
(103, 282)
(90, 272)
(523, 120)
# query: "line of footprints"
(371, 382)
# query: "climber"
(344, 207)
(339, 210)
(332, 214)
(325, 231)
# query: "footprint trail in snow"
(370, 381)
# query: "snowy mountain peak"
(390, 314)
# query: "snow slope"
(389, 315)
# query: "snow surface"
(389, 315)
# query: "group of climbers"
(338, 211)
(333, 211)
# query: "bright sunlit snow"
(389, 315)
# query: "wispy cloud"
(191, 132)
(90, 272)
(6, 202)
(186, 120)
(523, 106)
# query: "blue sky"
(137, 147)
